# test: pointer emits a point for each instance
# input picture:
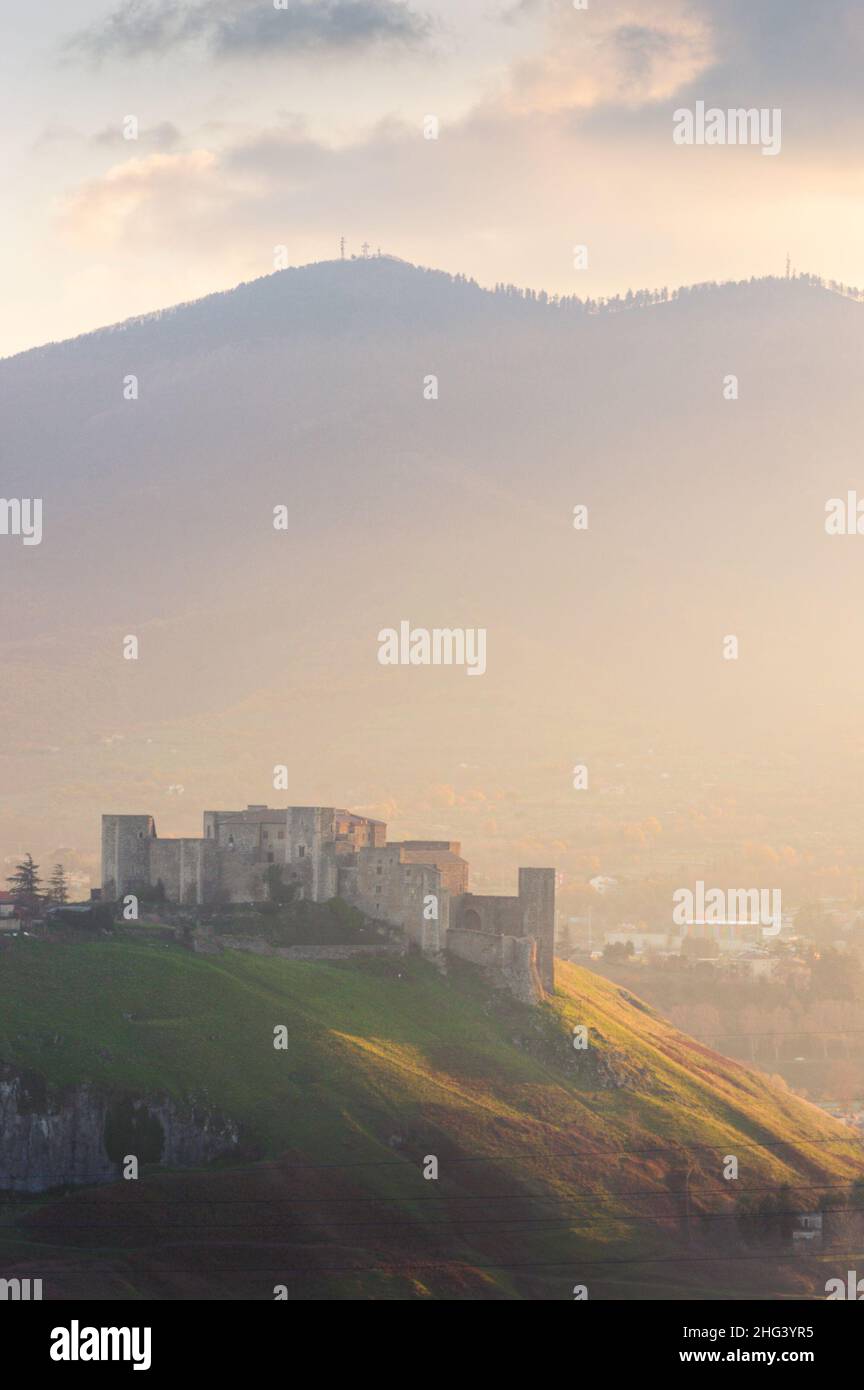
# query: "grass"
(386, 1063)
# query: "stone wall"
(390, 890)
(507, 962)
(209, 943)
(188, 869)
(242, 876)
(489, 913)
(531, 914)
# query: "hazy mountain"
(258, 646)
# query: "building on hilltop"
(322, 852)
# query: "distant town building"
(643, 939)
(807, 1232)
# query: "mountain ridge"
(314, 275)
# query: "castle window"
(281, 834)
(378, 869)
(270, 858)
(266, 835)
(301, 851)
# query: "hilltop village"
(318, 854)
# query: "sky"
(263, 128)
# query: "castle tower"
(537, 897)
(310, 843)
(126, 842)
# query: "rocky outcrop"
(54, 1137)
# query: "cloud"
(633, 54)
(99, 212)
(163, 136)
(622, 57)
(249, 28)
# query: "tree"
(25, 884)
(58, 889)
(618, 950)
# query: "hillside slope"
(557, 1166)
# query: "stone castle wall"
(508, 962)
(188, 869)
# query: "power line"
(791, 1033)
(495, 1197)
(457, 1223)
(453, 1197)
(580, 1197)
(528, 1154)
(449, 1267)
(585, 1156)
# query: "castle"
(320, 852)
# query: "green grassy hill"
(556, 1166)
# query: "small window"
(266, 835)
(301, 851)
(281, 834)
(378, 888)
(378, 869)
(270, 858)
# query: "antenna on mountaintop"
(788, 267)
(342, 247)
(365, 249)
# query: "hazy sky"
(261, 127)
